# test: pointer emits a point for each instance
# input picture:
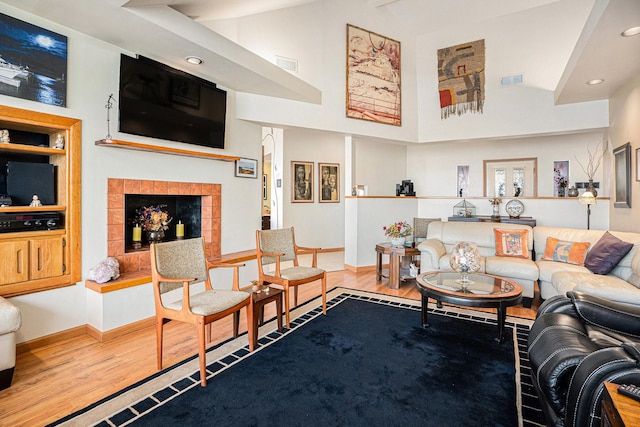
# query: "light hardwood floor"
(56, 380)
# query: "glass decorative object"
(464, 209)
(464, 260)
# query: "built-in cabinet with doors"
(40, 241)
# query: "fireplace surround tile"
(116, 221)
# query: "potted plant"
(397, 232)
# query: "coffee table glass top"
(482, 285)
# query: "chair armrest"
(557, 304)
(609, 315)
(307, 250)
(236, 282)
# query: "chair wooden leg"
(202, 354)
(236, 323)
(287, 305)
(251, 327)
(159, 330)
(295, 296)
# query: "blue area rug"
(367, 362)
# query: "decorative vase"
(573, 191)
(495, 213)
(592, 188)
(397, 241)
(464, 260)
(155, 236)
(561, 191)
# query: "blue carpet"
(367, 362)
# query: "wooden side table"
(618, 410)
(396, 256)
(261, 295)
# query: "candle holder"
(136, 245)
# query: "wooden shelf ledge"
(165, 150)
(129, 280)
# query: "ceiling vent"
(291, 65)
(511, 80)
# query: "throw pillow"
(561, 251)
(606, 254)
(511, 243)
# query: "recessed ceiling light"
(595, 81)
(633, 31)
(193, 60)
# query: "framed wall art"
(463, 180)
(373, 77)
(301, 182)
(246, 168)
(329, 182)
(560, 178)
(622, 176)
(637, 164)
(34, 62)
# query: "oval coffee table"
(483, 290)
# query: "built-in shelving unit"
(39, 259)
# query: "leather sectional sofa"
(577, 343)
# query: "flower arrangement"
(495, 201)
(153, 218)
(560, 180)
(397, 229)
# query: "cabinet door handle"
(19, 261)
(39, 259)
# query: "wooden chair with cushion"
(183, 264)
(277, 247)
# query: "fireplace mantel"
(114, 143)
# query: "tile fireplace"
(119, 228)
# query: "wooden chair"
(182, 264)
(278, 246)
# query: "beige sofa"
(556, 278)
(442, 236)
(10, 322)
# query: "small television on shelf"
(161, 102)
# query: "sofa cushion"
(612, 290)
(511, 267)
(606, 253)
(567, 252)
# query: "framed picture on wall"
(246, 168)
(34, 62)
(329, 182)
(622, 175)
(463, 180)
(301, 182)
(637, 164)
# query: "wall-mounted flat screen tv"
(161, 102)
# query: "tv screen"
(161, 102)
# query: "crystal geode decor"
(464, 260)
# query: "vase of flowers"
(154, 220)
(397, 232)
(495, 207)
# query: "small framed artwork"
(329, 182)
(560, 178)
(637, 164)
(264, 186)
(246, 168)
(622, 175)
(301, 182)
(463, 180)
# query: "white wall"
(93, 69)
(625, 127)
(316, 224)
(379, 166)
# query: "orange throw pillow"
(511, 243)
(569, 252)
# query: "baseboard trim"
(55, 338)
(362, 268)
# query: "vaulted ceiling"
(168, 28)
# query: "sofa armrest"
(608, 315)
(431, 250)
(557, 304)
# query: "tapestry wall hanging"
(373, 77)
(461, 78)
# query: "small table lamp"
(587, 198)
